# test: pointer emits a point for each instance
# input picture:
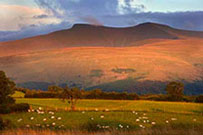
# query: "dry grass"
(166, 131)
(162, 61)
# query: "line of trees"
(174, 92)
(57, 92)
(72, 95)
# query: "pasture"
(108, 115)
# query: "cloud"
(92, 20)
(33, 30)
(52, 15)
(76, 10)
(40, 16)
(130, 6)
(181, 20)
(118, 13)
(14, 17)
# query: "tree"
(55, 89)
(175, 90)
(6, 89)
(71, 95)
(199, 99)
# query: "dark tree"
(175, 91)
(55, 89)
(199, 99)
(6, 89)
(71, 95)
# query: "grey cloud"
(40, 16)
(103, 12)
(32, 30)
(81, 8)
(130, 7)
(181, 20)
(92, 20)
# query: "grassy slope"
(162, 61)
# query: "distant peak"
(150, 24)
(85, 25)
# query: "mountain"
(81, 35)
(89, 56)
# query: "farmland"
(107, 115)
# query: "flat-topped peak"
(151, 24)
(84, 25)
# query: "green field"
(117, 105)
(96, 115)
(18, 94)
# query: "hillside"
(81, 35)
(151, 56)
(92, 66)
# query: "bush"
(1, 124)
(189, 98)
(174, 98)
(155, 97)
(20, 107)
(41, 94)
(4, 109)
(5, 124)
(199, 99)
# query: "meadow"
(109, 116)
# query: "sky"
(26, 18)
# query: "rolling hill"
(90, 35)
(138, 59)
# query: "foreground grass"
(165, 131)
(91, 120)
(110, 116)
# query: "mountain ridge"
(82, 35)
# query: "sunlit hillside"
(162, 61)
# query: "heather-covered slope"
(97, 56)
(81, 35)
(91, 66)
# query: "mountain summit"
(81, 35)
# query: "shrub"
(23, 107)
(155, 97)
(199, 99)
(5, 124)
(1, 124)
(4, 109)
(41, 94)
(189, 98)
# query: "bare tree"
(71, 95)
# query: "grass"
(121, 116)
(167, 60)
(165, 131)
(90, 120)
(118, 105)
(18, 94)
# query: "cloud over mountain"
(54, 15)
